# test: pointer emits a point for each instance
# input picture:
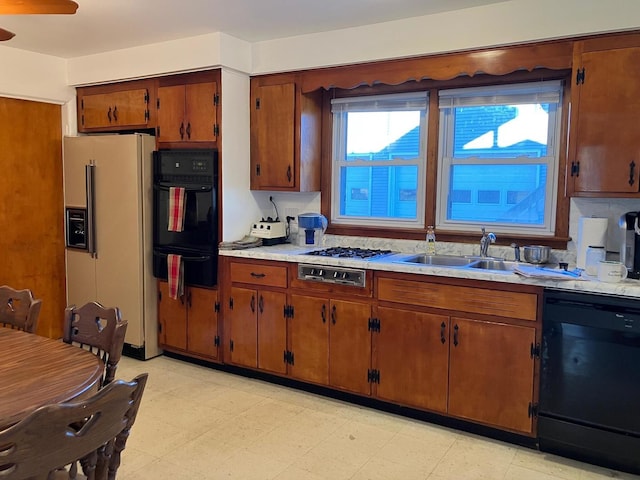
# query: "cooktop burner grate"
(349, 252)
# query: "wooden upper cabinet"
(604, 154)
(121, 106)
(285, 135)
(188, 113)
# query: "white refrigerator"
(109, 177)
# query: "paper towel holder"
(630, 243)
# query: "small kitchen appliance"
(270, 231)
(311, 228)
(630, 246)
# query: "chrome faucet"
(486, 240)
(516, 251)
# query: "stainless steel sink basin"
(439, 260)
(499, 265)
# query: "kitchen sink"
(500, 265)
(439, 260)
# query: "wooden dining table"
(36, 371)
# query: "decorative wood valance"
(555, 55)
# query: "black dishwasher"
(590, 378)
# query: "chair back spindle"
(18, 309)
(99, 330)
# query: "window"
(501, 145)
(379, 152)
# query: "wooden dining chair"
(54, 438)
(98, 329)
(18, 309)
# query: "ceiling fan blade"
(6, 35)
(27, 7)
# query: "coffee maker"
(311, 228)
(630, 245)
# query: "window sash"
(341, 107)
(549, 92)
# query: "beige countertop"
(393, 263)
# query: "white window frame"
(539, 92)
(375, 103)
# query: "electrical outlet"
(292, 212)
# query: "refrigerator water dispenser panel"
(76, 228)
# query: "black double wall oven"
(197, 172)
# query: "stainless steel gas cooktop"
(350, 252)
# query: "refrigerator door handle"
(89, 171)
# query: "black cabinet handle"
(632, 172)
(109, 114)
(115, 113)
(289, 174)
(455, 335)
(182, 131)
(443, 328)
(189, 130)
(253, 304)
(258, 275)
(333, 315)
(261, 304)
(324, 313)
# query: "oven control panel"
(323, 273)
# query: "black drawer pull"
(443, 328)
(324, 313)
(258, 275)
(455, 336)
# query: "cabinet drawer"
(464, 299)
(271, 275)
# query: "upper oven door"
(196, 174)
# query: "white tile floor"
(200, 423)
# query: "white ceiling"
(104, 25)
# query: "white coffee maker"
(311, 228)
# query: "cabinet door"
(272, 331)
(349, 346)
(491, 373)
(171, 124)
(244, 329)
(202, 320)
(309, 339)
(200, 108)
(607, 117)
(124, 108)
(412, 356)
(273, 127)
(172, 316)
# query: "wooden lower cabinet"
(258, 329)
(462, 349)
(331, 342)
(308, 332)
(491, 373)
(189, 323)
(350, 346)
(412, 358)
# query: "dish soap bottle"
(431, 240)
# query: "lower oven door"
(590, 376)
(199, 268)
